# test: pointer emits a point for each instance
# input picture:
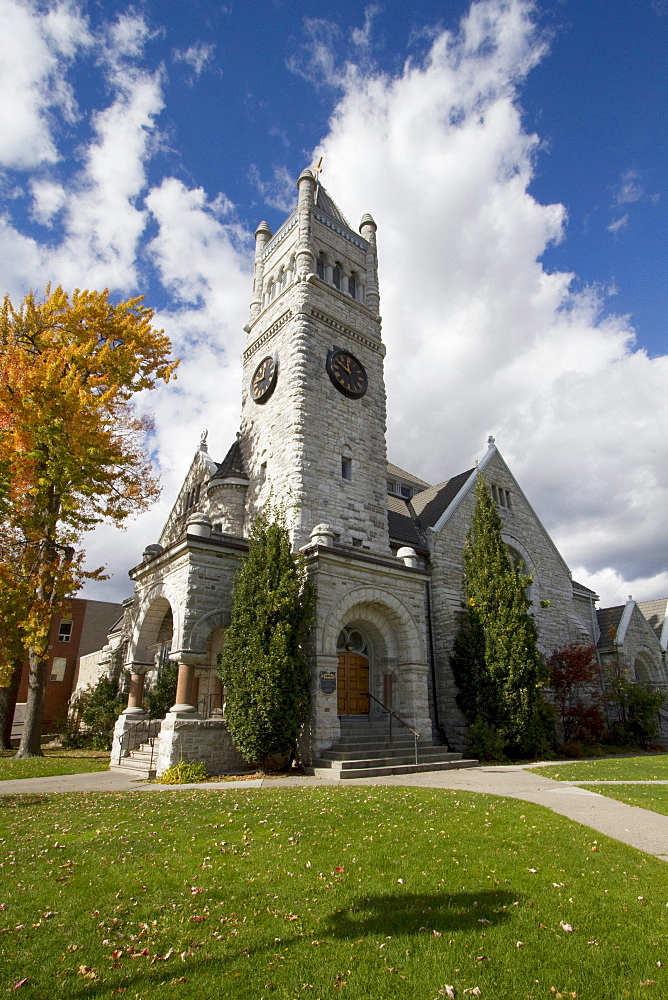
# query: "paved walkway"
(640, 828)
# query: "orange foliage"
(71, 447)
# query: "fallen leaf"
(87, 972)
(565, 927)
(483, 921)
(21, 982)
(474, 991)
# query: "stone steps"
(365, 750)
(138, 762)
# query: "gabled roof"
(402, 526)
(397, 473)
(232, 466)
(608, 622)
(656, 613)
(326, 204)
(431, 504)
(585, 590)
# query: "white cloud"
(37, 49)
(197, 56)
(280, 192)
(629, 189)
(48, 199)
(619, 224)
(480, 337)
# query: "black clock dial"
(347, 374)
(264, 379)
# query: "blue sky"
(514, 155)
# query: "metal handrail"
(207, 701)
(393, 715)
(144, 731)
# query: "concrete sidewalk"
(648, 831)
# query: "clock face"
(264, 379)
(347, 374)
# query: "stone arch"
(519, 553)
(397, 655)
(200, 634)
(385, 615)
(645, 667)
(153, 607)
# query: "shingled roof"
(232, 466)
(655, 612)
(608, 622)
(403, 527)
(430, 505)
(327, 205)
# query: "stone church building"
(383, 547)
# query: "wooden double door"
(352, 684)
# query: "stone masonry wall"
(557, 623)
(205, 740)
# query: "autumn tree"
(496, 663)
(71, 451)
(264, 664)
(575, 681)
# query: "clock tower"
(313, 393)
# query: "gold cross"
(317, 169)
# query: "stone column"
(184, 684)
(137, 677)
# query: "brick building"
(83, 629)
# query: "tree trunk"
(8, 697)
(31, 740)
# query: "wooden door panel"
(352, 684)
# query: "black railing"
(210, 704)
(393, 715)
(144, 731)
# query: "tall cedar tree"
(70, 452)
(496, 663)
(264, 664)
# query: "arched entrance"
(352, 675)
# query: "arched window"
(337, 276)
(351, 640)
(320, 266)
(283, 275)
(642, 668)
(352, 285)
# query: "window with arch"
(520, 566)
(282, 277)
(642, 668)
(320, 266)
(351, 640)
(337, 276)
(352, 285)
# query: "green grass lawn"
(53, 762)
(647, 768)
(368, 892)
(654, 797)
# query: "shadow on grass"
(372, 916)
(21, 801)
(402, 913)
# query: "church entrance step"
(377, 769)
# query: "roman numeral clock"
(346, 373)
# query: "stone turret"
(226, 492)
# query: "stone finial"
(367, 221)
(322, 534)
(199, 524)
(491, 441)
(151, 551)
(263, 233)
(202, 440)
(408, 556)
